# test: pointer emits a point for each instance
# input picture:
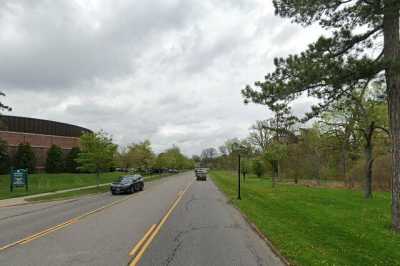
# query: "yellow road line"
(54, 228)
(140, 243)
(48, 232)
(140, 254)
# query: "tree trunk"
(392, 54)
(368, 169)
(278, 170)
(344, 163)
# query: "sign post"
(18, 178)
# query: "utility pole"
(239, 198)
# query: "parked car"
(127, 184)
(201, 173)
(173, 171)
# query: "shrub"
(25, 158)
(54, 161)
(71, 166)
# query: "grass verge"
(318, 226)
(71, 194)
(43, 182)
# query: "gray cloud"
(165, 70)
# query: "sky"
(169, 71)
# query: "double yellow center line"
(54, 228)
(145, 242)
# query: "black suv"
(127, 184)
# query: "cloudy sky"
(169, 71)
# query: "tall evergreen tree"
(330, 67)
(25, 157)
(55, 160)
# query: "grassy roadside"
(43, 182)
(71, 194)
(87, 191)
(318, 226)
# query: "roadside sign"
(19, 178)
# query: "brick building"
(40, 134)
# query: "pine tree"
(55, 160)
(25, 157)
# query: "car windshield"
(124, 179)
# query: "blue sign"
(19, 178)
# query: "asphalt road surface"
(174, 221)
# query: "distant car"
(173, 171)
(127, 184)
(201, 174)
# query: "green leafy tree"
(365, 114)
(55, 160)
(274, 154)
(97, 153)
(71, 165)
(330, 67)
(25, 157)
(4, 157)
(258, 167)
(173, 158)
(140, 156)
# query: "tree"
(258, 167)
(260, 135)
(366, 115)
(140, 156)
(4, 157)
(275, 153)
(330, 67)
(97, 153)
(25, 157)
(310, 144)
(173, 158)
(54, 161)
(196, 158)
(207, 155)
(71, 166)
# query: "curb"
(255, 229)
(15, 204)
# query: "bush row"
(56, 162)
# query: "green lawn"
(41, 183)
(318, 226)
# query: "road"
(174, 221)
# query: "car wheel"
(141, 186)
(132, 189)
(137, 187)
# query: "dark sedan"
(127, 184)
